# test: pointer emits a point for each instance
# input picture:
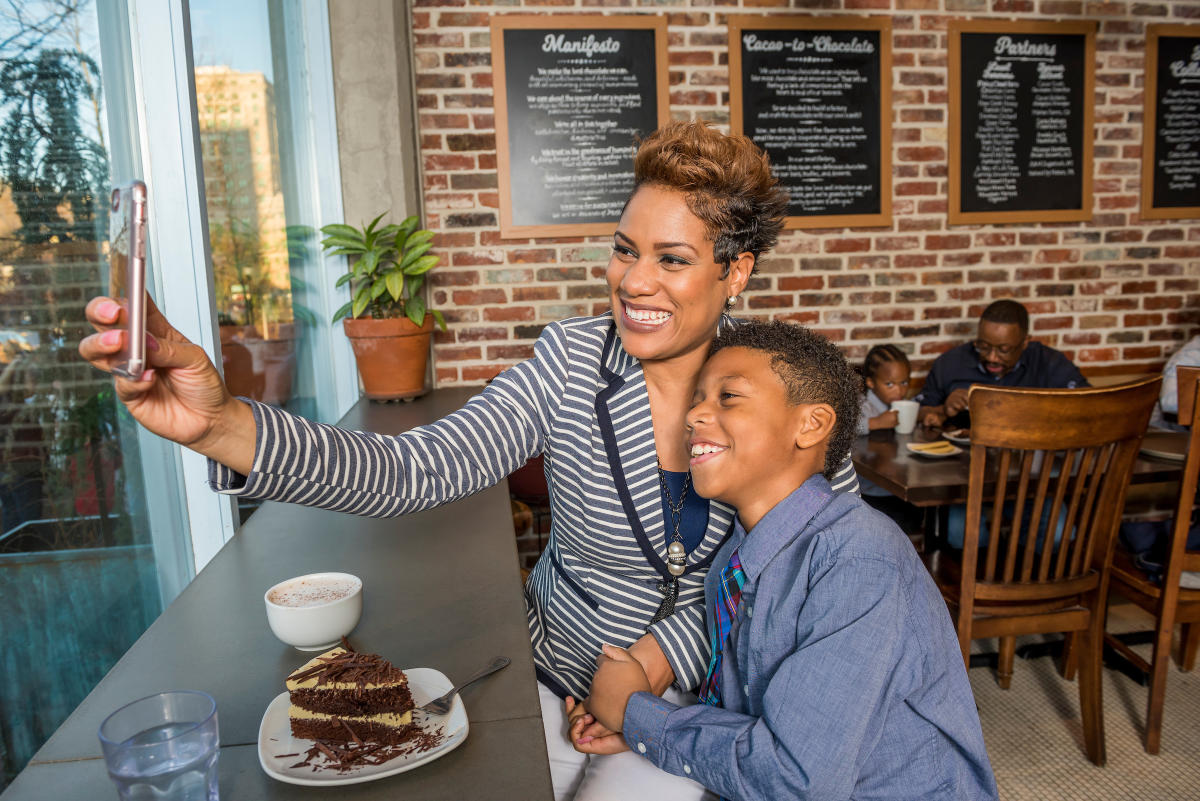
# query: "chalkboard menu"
(1021, 121)
(815, 93)
(572, 93)
(1171, 124)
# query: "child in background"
(886, 371)
(835, 671)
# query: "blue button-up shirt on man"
(843, 676)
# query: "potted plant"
(257, 325)
(387, 321)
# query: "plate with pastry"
(350, 717)
(962, 436)
(938, 449)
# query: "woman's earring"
(733, 299)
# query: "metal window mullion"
(178, 234)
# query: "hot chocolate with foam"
(312, 591)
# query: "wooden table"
(881, 458)
(441, 589)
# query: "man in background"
(1001, 355)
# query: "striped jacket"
(582, 401)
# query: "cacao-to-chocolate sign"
(573, 92)
(1021, 121)
(814, 92)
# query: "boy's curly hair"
(727, 181)
(812, 369)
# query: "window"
(83, 570)
(101, 524)
(263, 205)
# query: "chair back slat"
(1054, 459)
(989, 572)
(1076, 482)
(1056, 507)
(1179, 558)
(1014, 533)
(1097, 508)
(1185, 387)
(1047, 459)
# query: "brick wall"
(1110, 292)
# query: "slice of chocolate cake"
(345, 696)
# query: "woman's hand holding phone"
(181, 395)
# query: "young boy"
(840, 675)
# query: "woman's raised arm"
(181, 396)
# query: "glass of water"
(164, 747)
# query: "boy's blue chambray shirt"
(843, 676)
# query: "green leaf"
(414, 253)
(414, 284)
(422, 265)
(437, 316)
(341, 242)
(379, 287)
(340, 229)
(395, 284)
(415, 309)
(345, 279)
(410, 224)
(369, 262)
(419, 238)
(345, 309)
(361, 298)
(371, 225)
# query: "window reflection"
(260, 252)
(77, 571)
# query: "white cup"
(907, 413)
(313, 612)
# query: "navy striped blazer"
(582, 401)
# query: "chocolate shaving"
(357, 740)
(351, 667)
(285, 756)
(346, 644)
(327, 755)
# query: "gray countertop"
(441, 589)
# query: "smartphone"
(127, 273)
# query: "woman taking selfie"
(604, 398)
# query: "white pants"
(616, 777)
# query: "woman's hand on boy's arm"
(618, 676)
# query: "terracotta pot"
(392, 355)
(259, 367)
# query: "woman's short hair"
(727, 181)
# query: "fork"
(441, 705)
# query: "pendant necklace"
(676, 553)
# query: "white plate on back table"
(275, 737)
(955, 450)
(959, 436)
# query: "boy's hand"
(618, 676)
(589, 737)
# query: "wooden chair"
(1168, 602)
(1044, 460)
